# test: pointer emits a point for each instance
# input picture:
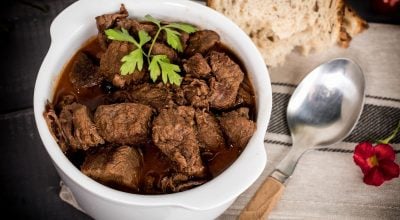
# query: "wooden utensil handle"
(263, 201)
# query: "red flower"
(376, 162)
(385, 7)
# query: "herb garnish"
(158, 64)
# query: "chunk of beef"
(228, 76)
(64, 101)
(245, 96)
(156, 95)
(196, 92)
(110, 64)
(162, 49)
(197, 66)
(124, 123)
(107, 21)
(237, 127)
(179, 96)
(149, 27)
(209, 132)
(174, 134)
(116, 167)
(78, 128)
(124, 80)
(84, 72)
(184, 39)
(201, 42)
(135, 26)
(178, 182)
(128, 24)
(54, 125)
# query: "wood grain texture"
(263, 201)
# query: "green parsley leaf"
(158, 64)
(130, 61)
(154, 67)
(183, 27)
(153, 20)
(169, 71)
(135, 58)
(120, 35)
(173, 39)
(144, 37)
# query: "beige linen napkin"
(326, 183)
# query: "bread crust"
(352, 25)
(275, 41)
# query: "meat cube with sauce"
(110, 64)
(124, 123)
(245, 97)
(225, 85)
(209, 132)
(78, 127)
(201, 42)
(237, 127)
(155, 95)
(196, 92)
(163, 49)
(84, 72)
(178, 182)
(175, 135)
(107, 21)
(197, 66)
(116, 167)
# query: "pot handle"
(264, 200)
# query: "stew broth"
(154, 162)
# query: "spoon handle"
(263, 201)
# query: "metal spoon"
(323, 110)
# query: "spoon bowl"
(322, 111)
(327, 103)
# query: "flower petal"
(362, 163)
(374, 177)
(364, 150)
(384, 152)
(389, 169)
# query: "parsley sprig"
(157, 64)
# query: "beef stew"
(140, 134)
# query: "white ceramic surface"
(71, 28)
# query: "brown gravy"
(154, 161)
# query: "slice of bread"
(352, 24)
(278, 27)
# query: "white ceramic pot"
(71, 28)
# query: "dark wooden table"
(29, 184)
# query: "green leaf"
(183, 27)
(131, 61)
(120, 35)
(144, 37)
(170, 71)
(160, 64)
(173, 39)
(155, 68)
(153, 20)
(393, 135)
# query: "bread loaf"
(278, 27)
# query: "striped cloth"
(326, 183)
